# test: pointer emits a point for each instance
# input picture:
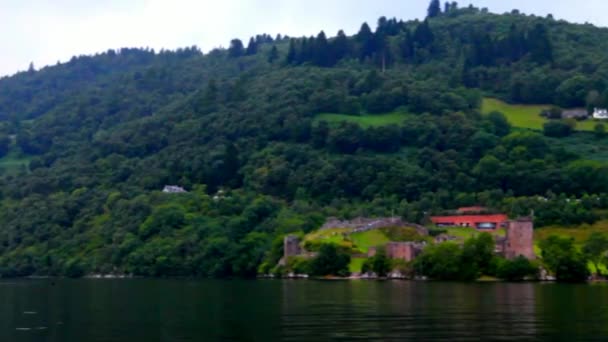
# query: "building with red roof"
(477, 221)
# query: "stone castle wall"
(361, 224)
(291, 246)
(407, 251)
(520, 239)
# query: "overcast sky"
(44, 32)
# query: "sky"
(45, 32)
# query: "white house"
(173, 189)
(600, 113)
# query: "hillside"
(273, 136)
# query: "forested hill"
(272, 136)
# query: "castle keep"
(519, 239)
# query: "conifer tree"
(273, 55)
(236, 48)
(340, 46)
(423, 35)
(434, 9)
(365, 38)
(252, 47)
(406, 46)
(321, 56)
(292, 54)
(539, 44)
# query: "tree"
(517, 269)
(572, 92)
(330, 261)
(365, 39)
(500, 124)
(434, 9)
(440, 262)
(321, 53)
(236, 48)
(477, 256)
(273, 55)
(558, 129)
(5, 143)
(292, 54)
(447, 7)
(599, 130)
(406, 46)
(252, 47)
(595, 249)
(423, 35)
(539, 44)
(561, 257)
(379, 263)
(340, 46)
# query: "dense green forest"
(88, 145)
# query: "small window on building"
(486, 226)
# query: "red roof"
(471, 219)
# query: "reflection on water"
(182, 310)
(409, 310)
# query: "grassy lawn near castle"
(356, 264)
(579, 233)
(465, 233)
(365, 120)
(526, 116)
(372, 238)
(359, 243)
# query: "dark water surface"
(185, 310)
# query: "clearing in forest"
(527, 116)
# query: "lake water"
(208, 310)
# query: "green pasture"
(526, 116)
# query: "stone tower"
(291, 246)
(520, 239)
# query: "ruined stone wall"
(399, 250)
(291, 246)
(520, 239)
(362, 224)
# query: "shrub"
(517, 269)
(441, 262)
(558, 129)
(379, 263)
(330, 261)
(561, 256)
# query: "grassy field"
(13, 162)
(580, 233)
(367, 120)
(526, 116)
(358, 243)
(356, 264)
(464, 233)
(368, 239)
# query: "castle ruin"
(407, 251)
(291, 246)
(519, 239)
